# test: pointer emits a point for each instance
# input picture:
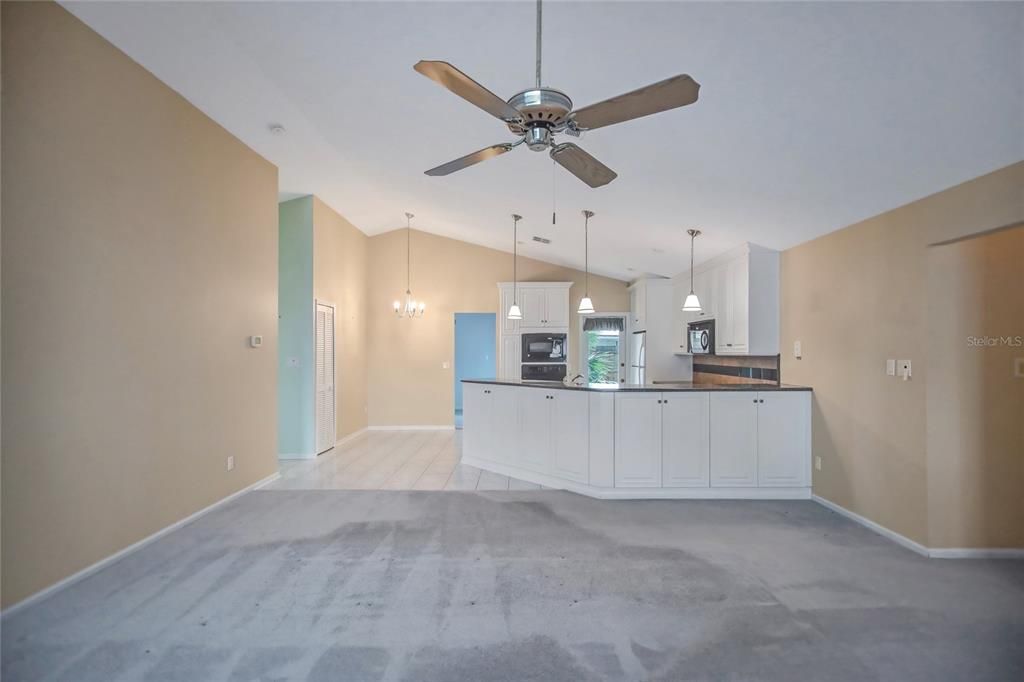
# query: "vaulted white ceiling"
(811, 116)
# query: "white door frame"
(622, 343)
(334, 344)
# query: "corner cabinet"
(740, 291)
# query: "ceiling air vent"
(542, 240)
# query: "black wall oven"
(544, 347)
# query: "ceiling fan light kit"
(537, 115)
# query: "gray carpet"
(347, 586)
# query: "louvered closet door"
(325, 412)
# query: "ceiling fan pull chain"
(552, 191)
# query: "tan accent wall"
(856, 297)
(975, 402)
(340, 253)
(407, 384)
(139, 253)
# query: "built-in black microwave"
(544, 348)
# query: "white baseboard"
(976, 553)
(931, 552)
(350, 437)
(296, 455)
(117, 556)
(429, 427)
(871, 525)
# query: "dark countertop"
(651, 388)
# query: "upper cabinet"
(545, 305)
(740, 292)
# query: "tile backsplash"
(736, 369)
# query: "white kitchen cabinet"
(533, 303)
(685, 443)
(534, 451)
(510, 352)
(506, 298)
(477, 412)
(556, 308)
(733, 430)
(740, 291)
(570, 435)
(638, 306)
(545, 305)
(783, 452)
(638, 440)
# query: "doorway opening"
(326, 415)
(603, 341)
(475, 352)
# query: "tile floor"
(394, 460)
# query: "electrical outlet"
(817, 463)
(903, 369)
(445, 365)
(231, 462)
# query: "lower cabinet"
(760, 439)
(734, 439)
(638, 440)
(685, 446)
(554, 433)
(661, 440)
(492, 410)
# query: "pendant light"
(692, 303)
(586, 305)
(514, 313)
(410, 308)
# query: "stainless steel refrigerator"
(638, 358)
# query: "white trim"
(296, 455)
(350, 437)
(794, 493)
(976, 553)
(871, 525)
(134, 547)
(428, 427)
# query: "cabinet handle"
(755, 400)
(762, 400)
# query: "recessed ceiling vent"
(542, 240)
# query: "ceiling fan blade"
(468, 89)
(470, 159)
(582, 165)
(677, 91)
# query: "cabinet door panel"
(637, 440)
(504, 423)
(533, 303)
(533, 449)
(476, 414)
(570, 434)
(734, 439)
(782, 457)
(556, 308)
(685, 446)
(511, 352)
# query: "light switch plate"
(890, 367)
(1018, 368)
(231, 462)
(797, 349)
(256, 340)
(903, 369)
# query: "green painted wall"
(295, 389)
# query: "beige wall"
(856, 297)
(975, 404)
(139, 254)
(340, 278)
(407, 385)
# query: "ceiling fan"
(538, 114)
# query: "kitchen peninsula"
(670, 441)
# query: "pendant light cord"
(515, 257)
(586, 255)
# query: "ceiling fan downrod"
(539, 18)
